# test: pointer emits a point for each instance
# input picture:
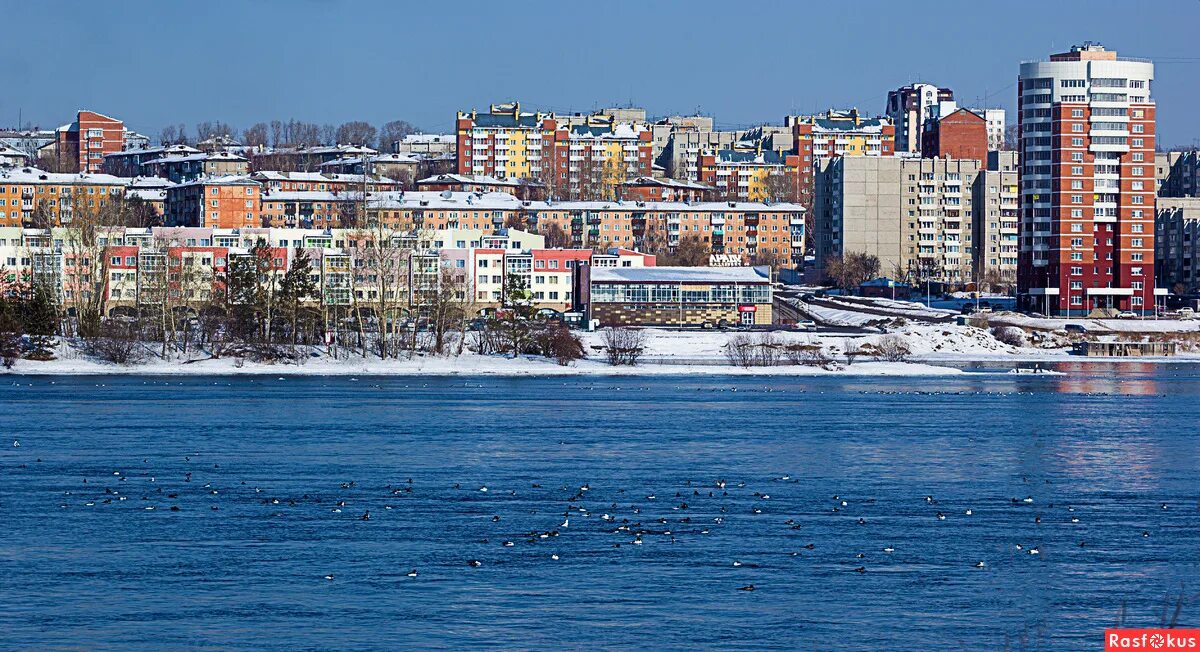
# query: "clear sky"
(154, 63)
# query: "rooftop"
(681, 275)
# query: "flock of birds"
(693, 510)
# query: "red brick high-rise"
(960, 135)
(89, 138)
(1086, 121)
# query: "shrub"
(117, 342)
(560, 343)
(1010, 335)
(747, 351)
(891, 348)
(809, 355)
(623, 345)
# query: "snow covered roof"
(164, 150)
(716, 206)
(34, 175)
(218, 156)
(146, 194)
(749, 157)
(478, 179)
(221, 180)
(617, 131)
(680, 275)
(667, 183)
(308, 195)
(317, 177)
(378, 158)
(428, 138)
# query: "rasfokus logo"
(1151, 639)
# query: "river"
(213, 512)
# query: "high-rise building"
(86, 141)
(1086, 123)
(910, 106)
(943, 220)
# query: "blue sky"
(161, 62)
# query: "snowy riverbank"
(468, 364)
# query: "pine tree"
(40, 320)
(297, 286)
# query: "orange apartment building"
(230, 202)
(22, 190)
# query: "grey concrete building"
(921, 217)
(1177, 243)
(996, 204)
(1177, 173)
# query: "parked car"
(806, 325)
(1128, 314)
(1075, 328)
(1187, 313)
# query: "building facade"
(676, 296)
(750, 174)
(1177, 244)
(961, 134)
(1087, 138)
(924, 219)
(88, 139)
(910, 106)
(230, 202)
(837, 133)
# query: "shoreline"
(467, 365)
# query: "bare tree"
(257, 135)
(393, 131)
(356, 132)
(556, 236)
(692, 251)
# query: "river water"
(227, 512)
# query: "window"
(1076, 169)
(1077, 127)
(1076, 113)
(1076, 199)
(1138, 128)
(1076, 228)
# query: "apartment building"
(837, 133)
(1177, 244)
(12, 157)
(961, 134)
(997, 213)
(29, 195)
(655, 189)
(921, 217)
(128, 163)
(426, 144)
(86, 140)
(1178, 173)
(180, 167)
(909, 107)
(996, 126)
(582, 156)
(404, 168)
(227, 202)
(751, 174)
(325, 182)
(1087, 130)
(480, 183)
(738, 232)
(305, 158)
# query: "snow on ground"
(902, 308)
(836, 317)
(1150, 325)
(468, 364)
